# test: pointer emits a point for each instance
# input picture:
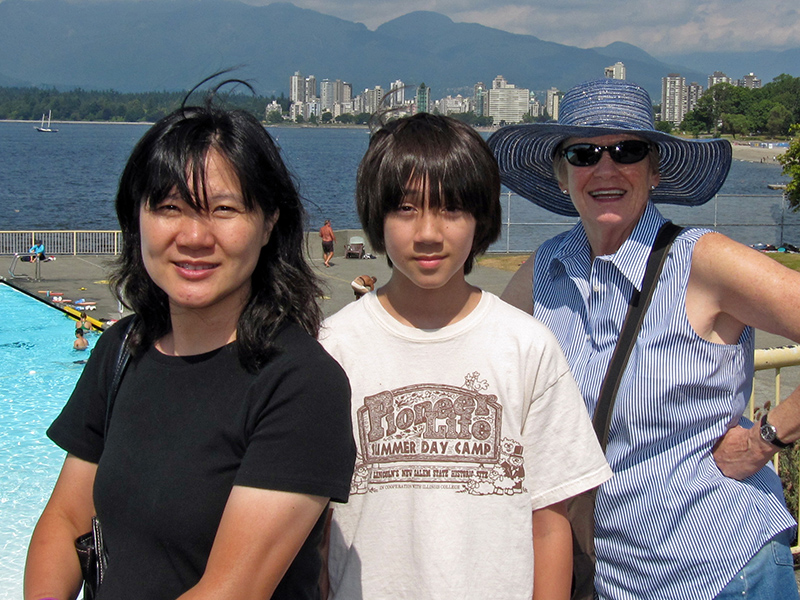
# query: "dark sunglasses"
(626, 152)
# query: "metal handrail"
(777, 359)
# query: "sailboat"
(47, 129)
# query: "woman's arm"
(52, 569)
(552, 553)
(732, 286)
(519, 291)
(259, 535)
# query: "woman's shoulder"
(111, 338)
(295, 344)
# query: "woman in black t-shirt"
(231, 430)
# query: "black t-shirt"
(183, 431)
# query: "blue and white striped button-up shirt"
(668, 524)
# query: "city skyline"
(502, 101)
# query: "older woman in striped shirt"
(693, 510)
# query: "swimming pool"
(37, 374)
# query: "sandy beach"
(756, 154)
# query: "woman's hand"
(741, 452)
(259, 536)
(52, 569)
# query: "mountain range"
(137, 46)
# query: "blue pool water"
(37, 374)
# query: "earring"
(652, 187)
(565, 192)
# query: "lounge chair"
(354, 248)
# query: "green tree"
(327, 117)
(693, 124)
(346, 118)
(779, 120)
(791, 167)
(665, 126)
(275, 116)
(735, 124)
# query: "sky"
(660, 27)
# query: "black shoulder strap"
(119, 370)
(630, 330)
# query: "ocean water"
(68, 180)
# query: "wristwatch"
(770, 435)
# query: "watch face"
(768, 433)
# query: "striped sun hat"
(692, 171)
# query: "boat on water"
(47, 129)
(776, 186)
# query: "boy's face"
(428, 246)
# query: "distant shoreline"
(756, 154)
(741, 150)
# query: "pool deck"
(86, 277)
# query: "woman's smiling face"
(203, 260)
(610, 197)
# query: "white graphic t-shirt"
(461, 432)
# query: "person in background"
(36, 252)
(363, 284)
(83, 323)
(80, 343)
(230, 431)
(460, 400)
(328, 238)
(693, 510)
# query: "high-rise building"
(499, 83)
(615, 71)
(450, 105)
(506, 102)
(311, 88)
(551, 103)
(479, 99)
(297, 88)
(750, 81)
(423, 98)
(718, 77)
(536, 107)
(693, 92)
(368, 101)
(327, 94)
(674, 98)
(397, 91)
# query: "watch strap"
(775, 441)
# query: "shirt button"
(596, 287)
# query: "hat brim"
(692, 171)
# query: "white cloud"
(655, 25)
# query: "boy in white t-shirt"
(471, 432)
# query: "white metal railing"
(776, 359)
(525, 226)
(523, 230)
(61, 242)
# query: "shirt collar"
(573, 253)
